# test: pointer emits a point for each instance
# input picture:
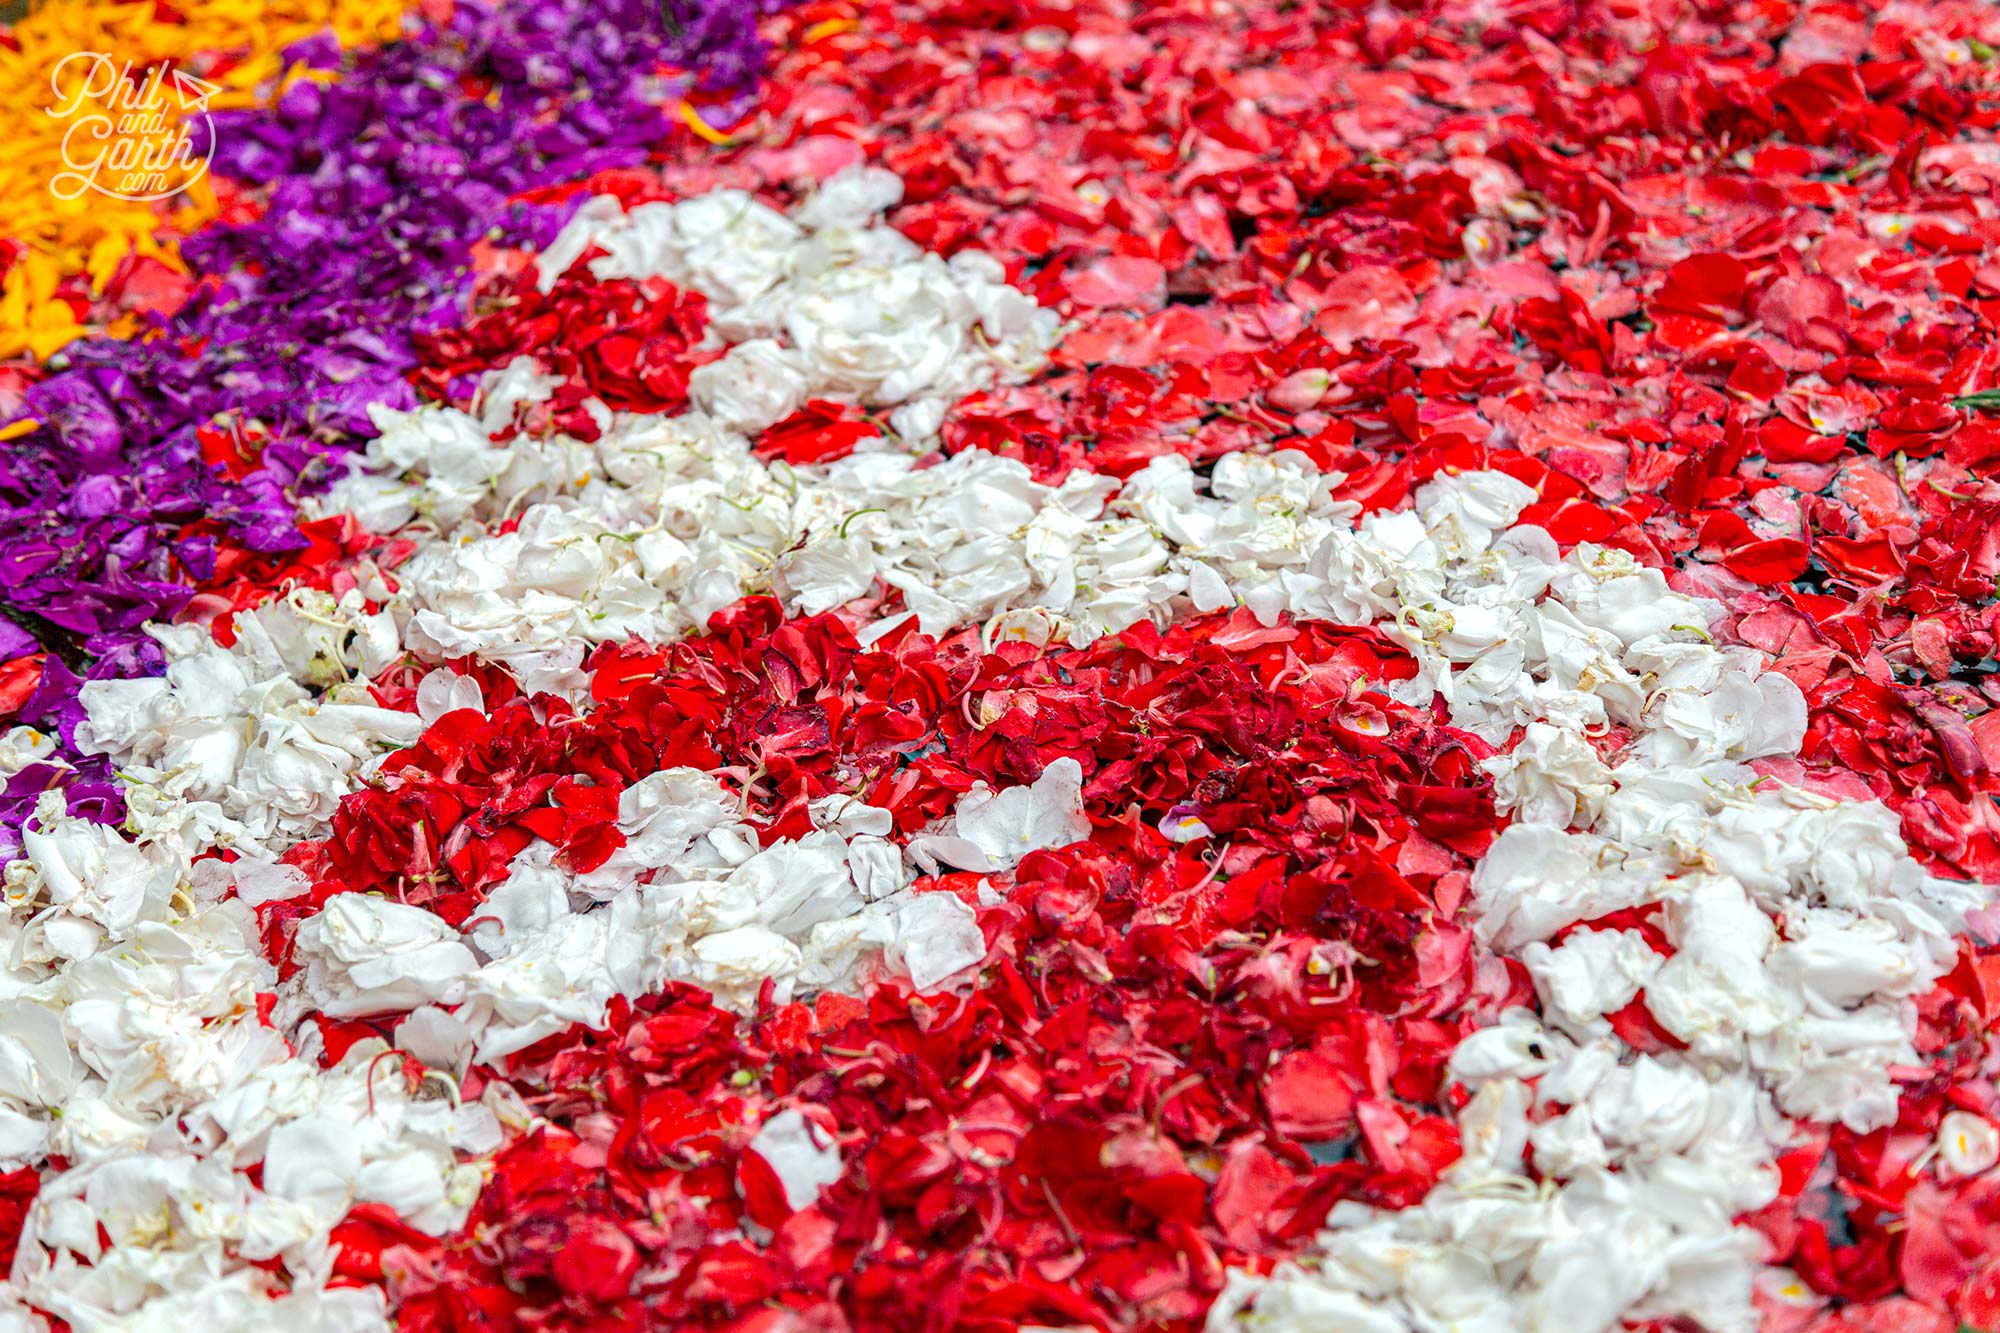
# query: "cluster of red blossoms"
(1718, 281)
(1170, 1061)
(627, 345)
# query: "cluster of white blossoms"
(183, 1218)
(691, 896)
(1799, 930)
(678, 520)
(829, 302)
(1597, 1183)
(135, 1049)
(549, 546)
(251, 747)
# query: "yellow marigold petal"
(702, 127)
(829, 28)
(46, 342)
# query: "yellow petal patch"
(88, 237)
